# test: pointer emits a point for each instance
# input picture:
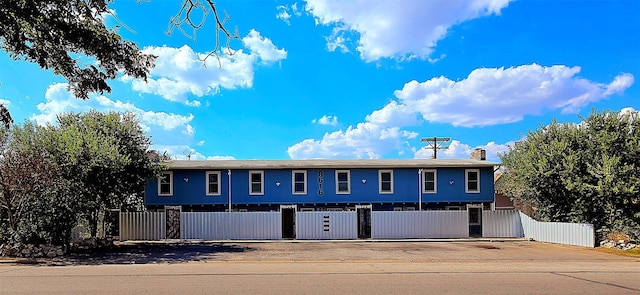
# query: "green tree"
(52, 33)
(580, 173)
(107, 154)
(5, 117)
(53, 176)
(36, 204)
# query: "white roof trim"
(327, 164)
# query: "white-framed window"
(213, 183)
(343, 182)
(385, 183)
(256, 182)
(472, 180)
(429, 181)
(165, 183)
(299, 182)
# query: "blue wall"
(450, 188)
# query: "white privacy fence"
(419, 224)
(501, 224)
(344, 225)
(143, 226)
(326, 225)
(230, 225)
(577, 234)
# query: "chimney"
(479, 154)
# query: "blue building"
(323, 185)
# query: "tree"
(107, 154)
(53, 176)
(580, 173)
(51, 32)
(5, 117)
(204, 7)
(36, 204)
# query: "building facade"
(323, 185)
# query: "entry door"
(288, 223)
(364, 222)
(173, 221)
(475, 220)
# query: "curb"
(206, 242)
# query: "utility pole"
(188, 155)
(436, 143)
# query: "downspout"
(419, 189)
(229, 189)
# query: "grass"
(635, 252)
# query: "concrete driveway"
(333, 268)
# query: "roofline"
(327, 164)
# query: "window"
(256, 182)
(472, 180)
(299, 182)
(429, 185)
(343, 182)
(165, 184)
(213, 183)
(385, 183)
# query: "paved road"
(334, 268)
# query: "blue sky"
(359, 79)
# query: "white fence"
(344, 225)
(501, 224)
(230, 226)
(419, 224)
(143, 226)
(326, 225)
(577, 234)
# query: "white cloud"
(394, 114)
(59, 100)
(628, 111)
(5, 102)
(263, 48)
(487, 97)
(458, 150)
(337, 40)
(619, 84)
(180, 72)
(398, 29)
(185, 152)
(372, 139)
(326, 120)
(221, 158)
(189, 130)
(285, 12)
(490, 96)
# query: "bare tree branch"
(186, 16)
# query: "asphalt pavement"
(416, 267)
